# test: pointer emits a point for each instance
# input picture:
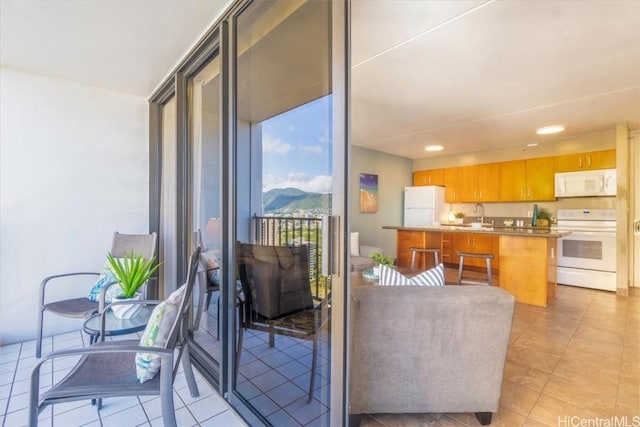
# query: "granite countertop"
(498, 230)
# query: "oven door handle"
(589, 233)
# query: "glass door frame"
(340, 73)
(218, 42)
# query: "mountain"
(281, 200)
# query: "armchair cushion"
(277, 277)
(156, 334)
(354, 243)
(209, 261)
(105, 278)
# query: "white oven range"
(587, 256)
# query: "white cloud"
(313, 149)
(314, 184)
(275, 145)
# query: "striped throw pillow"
(391, 277)
(431, 277)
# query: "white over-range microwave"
(600, 182)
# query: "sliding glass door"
(248, 154)
(205, 175)
(287, 170)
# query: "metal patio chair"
(277, 297)
(207, 286)
(108, 369)
(83, 307)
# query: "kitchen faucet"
(475, 210)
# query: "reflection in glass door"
(284, 165)
(206, 231)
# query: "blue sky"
(296, 148)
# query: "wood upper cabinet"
(513, 180)
(451, 194)
(479, 183)
(489, 182)
(540, 179)
(428, 177)
(584, 161)
(467, 183)
(530, 179)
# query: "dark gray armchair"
(83, 307)
(277, 297)
(108, 368)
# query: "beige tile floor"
(17, 360)
(579, 357)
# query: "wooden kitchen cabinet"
(513, 180)
(531, 179)
(479, 183)
(451, 194)
(416, 238)
(605, 159)
(428, 177)
(475, 242)
(448, 255)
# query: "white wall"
(73, 169)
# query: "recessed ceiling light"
(548, 130)
(434, 148)
(532, 144)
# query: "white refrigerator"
(423, 206)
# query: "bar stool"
(487, 257)
(415, 250)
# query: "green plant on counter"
(381, 259)
(459, 215)
(544, 214)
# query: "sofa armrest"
(366, 251)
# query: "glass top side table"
(114, 326)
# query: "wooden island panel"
(525, 261)
(417, 238)
(528, 269)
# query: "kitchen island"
(524, 258)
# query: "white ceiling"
(477, 75)
(469, 75)
(126, 46)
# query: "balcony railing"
(289, 231)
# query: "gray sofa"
(428, 349)
(363, 261)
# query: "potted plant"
(543, 218)
(381, 259)
(130, 272)
(459, 217)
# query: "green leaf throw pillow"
(156, 334)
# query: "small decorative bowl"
(508, 222)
